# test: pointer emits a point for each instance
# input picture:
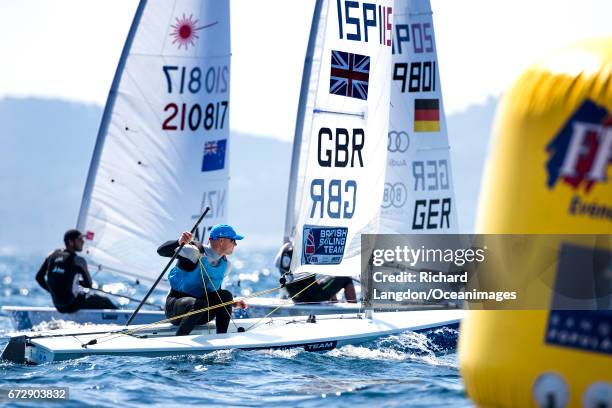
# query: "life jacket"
(191, 281)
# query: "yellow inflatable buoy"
(549, 172)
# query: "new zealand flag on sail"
(214, 155)
(349, 75)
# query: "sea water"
(403, 370)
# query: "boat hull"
(325, 333)
(25, 317)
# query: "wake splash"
(62, 324)
(427, 347)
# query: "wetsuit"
(63, 274)
(187, 281)
(321, 291)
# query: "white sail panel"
(418, 195)
(162, 153)
(343, 144)
(308, 93)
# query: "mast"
(106, 116)
(299, 123)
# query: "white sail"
(162, 150)
(342, 151)
(418, 196)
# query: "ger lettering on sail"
(418, 195)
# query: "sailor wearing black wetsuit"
(196, 279)
(64, 274)
(304, 287)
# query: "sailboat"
(417, 194)
(339, 168)
(161, 155)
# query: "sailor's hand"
(185, 238)
(241, 304)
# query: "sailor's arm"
(81, 264)
(168, 248)
(42, 272)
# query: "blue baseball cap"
(224, 231)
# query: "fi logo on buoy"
(579, 157)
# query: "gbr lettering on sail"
(340, 146)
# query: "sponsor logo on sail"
(214, 155)
(395, 195)
(184, 31)
(579, 158)
(397, 141)
(323, 245)
(426, 115)
(349, 75)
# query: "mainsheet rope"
(202, 268)
(128, 332)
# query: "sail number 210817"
(181, 80)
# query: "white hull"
(326, 333)
(26, 317)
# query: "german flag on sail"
(426, 115)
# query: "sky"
(69, 49)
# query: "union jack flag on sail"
(349, 75)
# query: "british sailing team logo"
(309, 244)
(323, 245)
(184, 31)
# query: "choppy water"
(405, 370)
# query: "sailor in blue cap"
(196, 279)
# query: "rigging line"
(217, 292)
(126, 297)
(205, 293)
(328, 302)
(127, 332)
(278, 307)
